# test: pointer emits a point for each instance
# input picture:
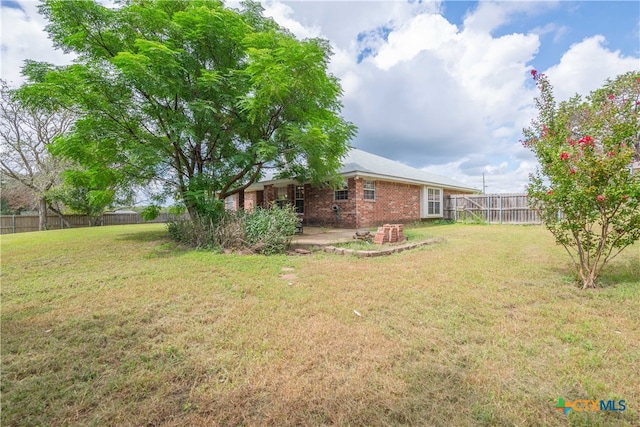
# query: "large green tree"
(585, 189)
(197, 95)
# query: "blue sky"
(443, 86)
(572, 22)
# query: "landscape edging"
(383, 252)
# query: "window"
(281, 193)
(434, 203)
(341, 194)
(281, 196)
(228, 203)
(369, 190)
(299, 199)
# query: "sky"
(443, 86)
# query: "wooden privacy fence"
(490, 208)
(21, 223)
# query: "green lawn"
(117, 326)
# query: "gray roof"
(360, 162)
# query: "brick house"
(377, 190)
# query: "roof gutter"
(360, 174)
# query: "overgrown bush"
(270, 230)
(198, 233)
(266, 231)
(229, 233)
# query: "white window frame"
(343, 190)
(371, 190)
(433, 200)
(229, 203)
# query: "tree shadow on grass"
(145, 236)
(166, 247)
(167, 250)
(616, 272)
(621, 272)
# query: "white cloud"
(450, 99)
(453, 100)
(423, 32)
(23, 37)
(490, 15)
(505, 177)
(343, 21)
(282, 14)
(558, 31)
(586, 66)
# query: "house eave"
(391, 178)
(259, 186)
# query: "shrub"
(266, 231)
(270, 230)
(196, 233)
(229, 233)
(584, 188)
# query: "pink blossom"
(550, 192)
(534, 73)
(545, 131)
(611, 96)
(625, 197)
(564, 155)
(572, 171)
(600, 197)
(611, 153)
(586, 140)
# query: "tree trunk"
(588, 276)
(194, 216)
(42, 214)
(59, 214)
(95, 221)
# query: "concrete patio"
(322, 236)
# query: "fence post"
(500, 206)
(455, 208)
(13, 223)
(488, 209)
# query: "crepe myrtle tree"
(584, 187)
(202, 97)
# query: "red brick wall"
(319, 202)
(269, 195)
(250, 200)
(394, 203)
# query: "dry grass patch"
(117, 326)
